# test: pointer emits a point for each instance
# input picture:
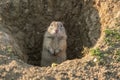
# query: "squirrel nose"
(56, 31)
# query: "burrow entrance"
(27, 20)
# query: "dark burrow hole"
(28, 20)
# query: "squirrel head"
(56, 27)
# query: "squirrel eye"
(61, 25)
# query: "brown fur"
(54, 44)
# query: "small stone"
(54, 64)
(95, 60)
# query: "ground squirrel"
(54, 44)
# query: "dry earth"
(100, 23)
(78, 69)
(12, 68)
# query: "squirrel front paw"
(51, 51)
(57, 51)
(54, 52)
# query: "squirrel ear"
(62, 22)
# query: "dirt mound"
(26, 21)
(93, 28)
(14, 69)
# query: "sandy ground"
(12, 68)
(78, 69)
